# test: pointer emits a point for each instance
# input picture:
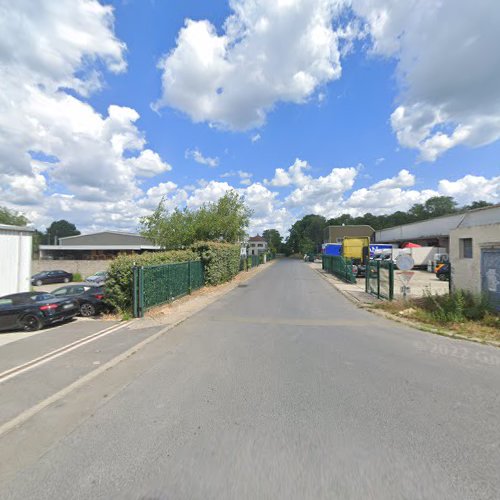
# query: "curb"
(414, 324)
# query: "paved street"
(282, 389)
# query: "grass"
(461, 313)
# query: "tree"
(224, 220)
(12, 218)
(273, 238)
(306, 233)
(478, 204)
(60, 229)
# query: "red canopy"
(410, 245)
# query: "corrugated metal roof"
(8, 227)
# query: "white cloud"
(57, 153)
(255, 138)
(197, 156)
(403, 179)
(472, 188)
(448, 69)
(268, 52)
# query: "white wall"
(466, 273)
(15, 261)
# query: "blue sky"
(304, 106)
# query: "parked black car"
(51, 277)
(31, 311)
(90, 298)
(443, 273)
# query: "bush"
(221, 261)
(457, 307)
(119, 282)
(77, 277)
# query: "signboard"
(405, 262)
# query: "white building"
(15, 259)
(475, 253)
(257, 245)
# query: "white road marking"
(17, 370)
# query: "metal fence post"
(391, 280)
(189, 277)
(378, 279)
(134, 292)
(140, 307)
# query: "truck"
(422, 256)
(375, 249)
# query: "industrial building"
(104, 245)
(336, 234)
(472, 240)
(15, 258)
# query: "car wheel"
(442, 277)
(66, 280)
(87, 310)
(38, 282)
(31, 323)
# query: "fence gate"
(490, 275)
(380, 279)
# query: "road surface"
(282, 389)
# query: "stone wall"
(84, 267)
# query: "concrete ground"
(280, 389)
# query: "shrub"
(77, 277)
(119, 282)
(457, 307)
(221, 261)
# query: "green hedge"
(120, 275)
(221, 261)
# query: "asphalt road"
(280, 390)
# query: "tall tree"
(273, 238)
(12, 218)
(60, 229)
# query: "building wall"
(15, 261)
(466, 272)
(84, 267)
(255, 249)
(334, 233)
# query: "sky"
(302, 106)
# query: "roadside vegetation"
(462, 313)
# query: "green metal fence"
(380, 279)
(339, 266)
(155, 285)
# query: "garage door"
(490, 275)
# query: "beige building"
(257, 245)
(335, 234)
(475, 253)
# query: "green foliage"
(12, 218)
(59, 229)
(221, 261)
(273, 238)
(77, 277)
(457, 307)
(225, 220)
(119, 282)
(306, 235)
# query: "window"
(466, 248)
(260, 245)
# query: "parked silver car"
(98, 278)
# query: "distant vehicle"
(45, 277)
(443, 273)
(90, 299)
(98, 278)
(30, 311)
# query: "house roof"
(8, 227)
(256, 238)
